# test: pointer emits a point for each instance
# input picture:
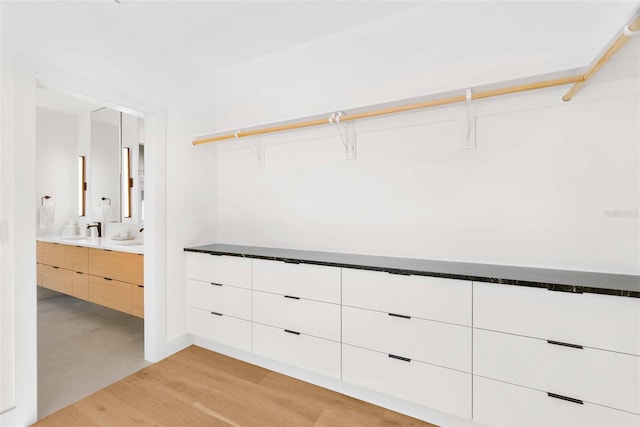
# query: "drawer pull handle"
(54, 266)
(568, 399)
(399, 315)
(292, 332)
(141, 286)
(79, 272)
(399, 273)
(291, 261)
(217, 314)
(565, 344)
(291, 297)
(570, 290)
(404, 359)
(106, 278)
(215, 284)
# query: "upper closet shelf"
(575, 77)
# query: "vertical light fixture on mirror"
(127, 183)
(82, 186)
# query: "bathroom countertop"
(131, 246)
(552, 279)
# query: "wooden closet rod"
(577, 81)
(620, 41)
(393, 110)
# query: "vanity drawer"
(123, 266)
(433, 298)
(110, 293)
(312, 353)
(137, 300)
(592, 320)
(223, 329)
(56, 254)
(313, 282)
(315, 318)
(500, 404)
(432, 386)
(597, 376)
(80, 258)
(57, 279)
(427, 341)
(80, 285)
(220, 299)
(225, 270)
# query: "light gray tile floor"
(83, 347)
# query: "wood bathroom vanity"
(109, 277)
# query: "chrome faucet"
(98, 227)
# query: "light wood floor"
(197, 387)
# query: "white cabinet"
(219, 298)
(439, 388)
(592, 320)
(427, 341)
(309, 317)
(308, 352)
(314, 282)
(227, 270)
(549, 358)
(432, 298)
(587, 374)
(499, 404)
(224, 329)
(409, 337)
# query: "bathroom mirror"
(116, 187)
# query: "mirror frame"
(82, 186)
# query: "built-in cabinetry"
(554, 358)
(400, 333)
(296, 315)
(110, 278)
(497, 354)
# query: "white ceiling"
(180, 38)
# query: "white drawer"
(596, 376)
(433, 298)
(500, 404)
(226, 270)
(314, 282)
(220, 298)
(227, 330)
(438, 343)
(316, 318)
(592, 320)
(312, 353)
(428, 385)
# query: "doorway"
(86, 339)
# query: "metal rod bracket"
(347, 133)
(468, 133)
(257, 147)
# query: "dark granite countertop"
(555, 280)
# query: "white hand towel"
(47, 217)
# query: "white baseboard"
(176, 344)
(411, 409)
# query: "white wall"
(56, 165)
(550, 184)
